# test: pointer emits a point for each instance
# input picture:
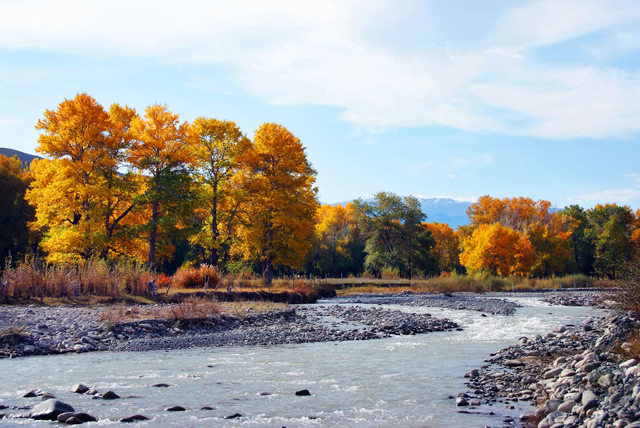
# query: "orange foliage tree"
(217, 148)
(279, 215)
(161, 152)
(499, 250)
(338, 245)
(78, 191)
(446, 251)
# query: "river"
(400, 381)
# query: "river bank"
(572, 376)
(44, 330)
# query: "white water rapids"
(401, 381)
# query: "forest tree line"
(118, 185)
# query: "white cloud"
(616, 195)
(292, 52)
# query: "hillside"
(24, 157)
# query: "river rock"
(79, 388)
(110, 395)
(176, 409)
(303, 392)
(134, 418)
(234, 416)
(50, 409)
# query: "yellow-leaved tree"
(499, 250)
(161, 152)
(446, 251)
(279, 214)
(78, 192)
(217, 148)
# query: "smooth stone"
(161, 385)
(50, 409)
(79, 388)
(134, 418)
(461, 402)
(176, 409)
(207, 408)
(110, 395)
(513, 363)
(303, 392)
(473, 373)
(629, 363)
(566, 406)
(73, 421)
(552, 373)
(47, 396)
(234, 416)
(30, 394)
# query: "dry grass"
(34, 279)
(191, 277)
(630, 348)
(450, 283)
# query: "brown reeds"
(200, 277)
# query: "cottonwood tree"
(395, 235)
(217, 148)
(161, 152)
(499, 250)
(76, 190)
(15, 212)
(278, 219)
(446, 249)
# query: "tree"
(161, 152)
(611, 228)
(582, 248)
(338, 246)
(15, 212)
(218, 146)
(395, 236)
(446, 250)
(68, 191)
(279, 214)
(498, 249)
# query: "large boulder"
(50, 409)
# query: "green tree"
(217, 147)
(395, 235)
(161, 152)
(15, 212)
(611, 228)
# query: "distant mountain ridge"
(442, 210)
(24, 157)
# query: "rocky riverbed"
(495, 306)
(55, 330)
(571, 376)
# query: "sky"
(456, 98)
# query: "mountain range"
(24, 157)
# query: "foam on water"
(399, 381)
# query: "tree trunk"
(267, 272)
(213, 260)
(153, 232)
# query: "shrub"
(196, 277)
(627, 286)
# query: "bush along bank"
(571, 375)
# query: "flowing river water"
(401, 381)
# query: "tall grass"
(34, 279)
(478, 282)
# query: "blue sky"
(431, 98)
